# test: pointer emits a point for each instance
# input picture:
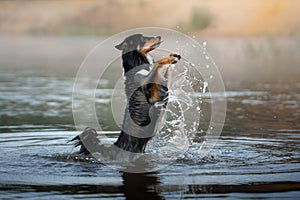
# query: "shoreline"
(238, 58)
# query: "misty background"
(250, 40)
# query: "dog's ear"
(121, 46)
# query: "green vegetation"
(85, 30)
(201, 18)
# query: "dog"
(146, 88)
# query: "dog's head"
(139, 43)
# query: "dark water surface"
(256, 157)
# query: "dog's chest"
(150, 59)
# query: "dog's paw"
(163, 93)
(162, 96)
(174, 58)
(87, 141)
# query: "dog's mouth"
(151, 44)
(157, 43)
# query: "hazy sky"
(213, 18)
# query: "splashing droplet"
(205, 84)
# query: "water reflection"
(140, 186)
(257, 152)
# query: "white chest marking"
(150, 59)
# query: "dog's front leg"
(172, 59)
(159, 90)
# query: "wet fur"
(143, 91)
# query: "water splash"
(182, 116)
(205, 84)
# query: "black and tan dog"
(147, 96)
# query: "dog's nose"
(158, 37)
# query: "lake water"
(256, 157)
